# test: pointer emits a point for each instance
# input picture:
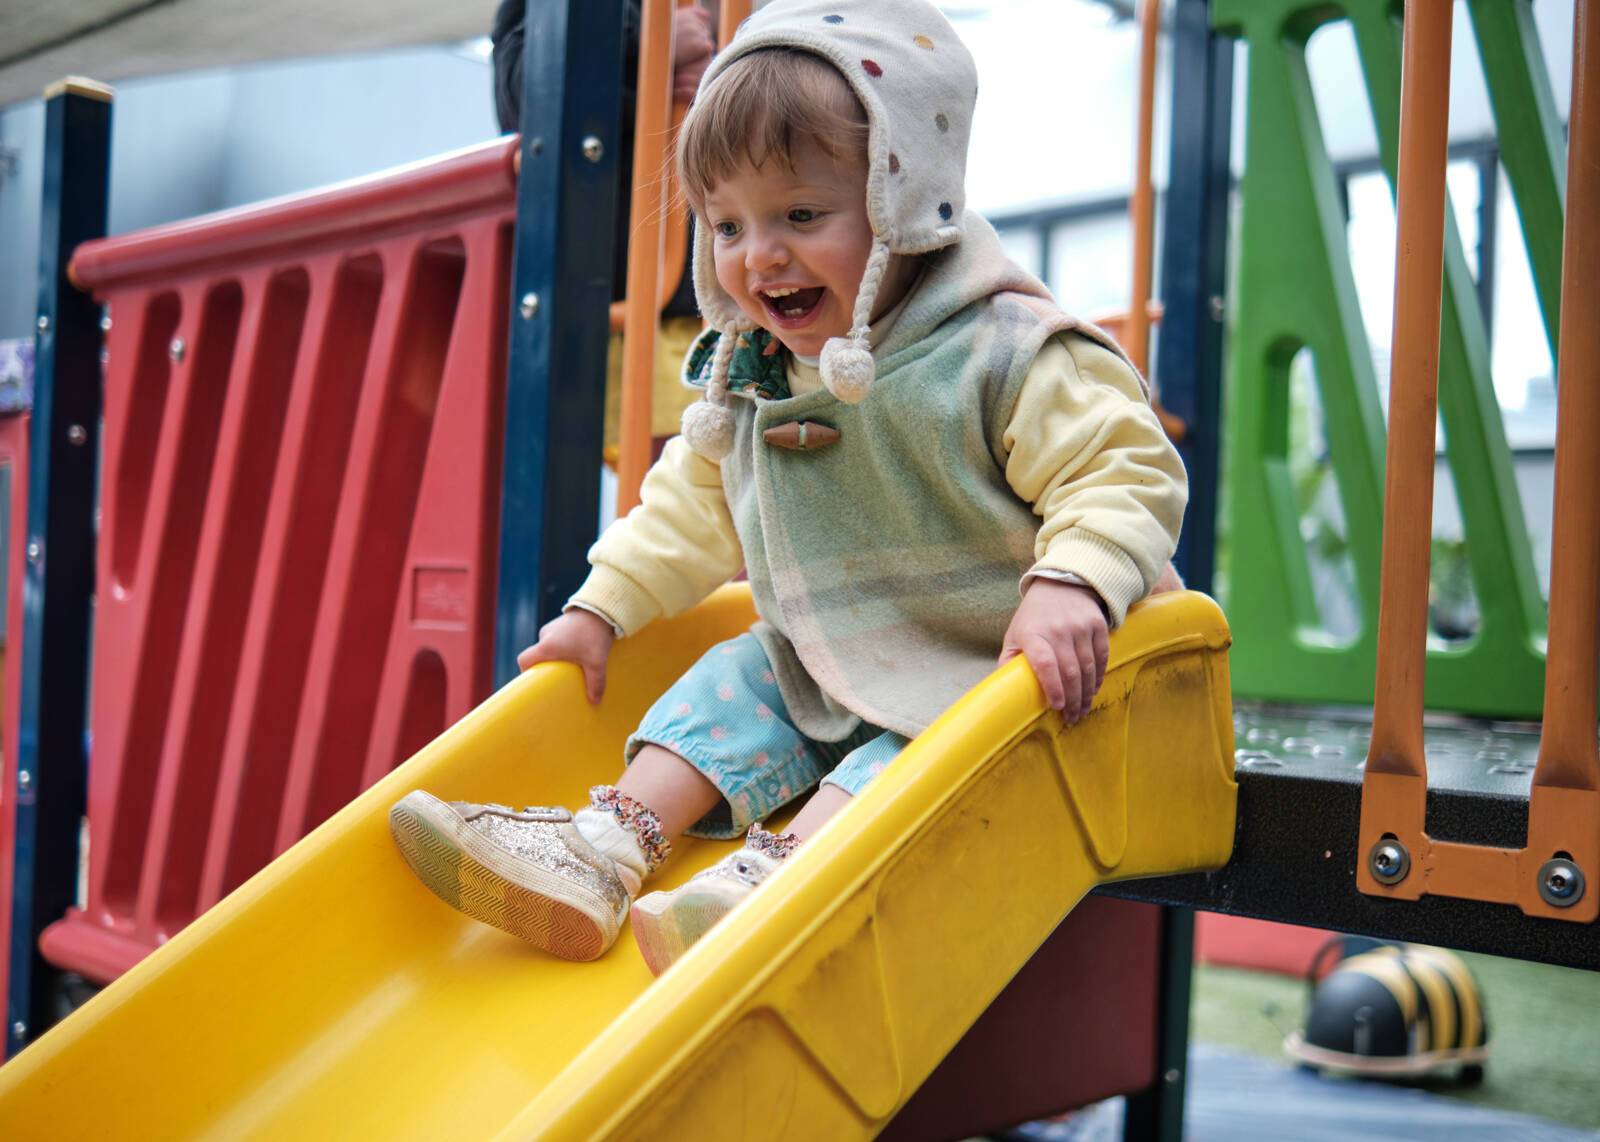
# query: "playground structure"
(218, 482)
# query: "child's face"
(801, 234)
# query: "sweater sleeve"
(668, 553)
(1085, 449)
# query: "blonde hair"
(763, 107)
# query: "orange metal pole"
(1567, 755)
(1413, 391)
(641, 310)
(1136, 330)
(1395, 786)
(732, 13)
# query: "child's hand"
(1062, 630)
(577, 636)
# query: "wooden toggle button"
(801, 436)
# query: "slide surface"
(332, 996)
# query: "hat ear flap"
(708, 423)
(846, 365)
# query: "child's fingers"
(1102, 655)
(1049, 671)
(594, 681)
(1088, 672)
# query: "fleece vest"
(885, 566)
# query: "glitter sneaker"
(665, 924)
(529, 873)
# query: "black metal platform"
(1294, 857)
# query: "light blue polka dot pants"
(727, 719)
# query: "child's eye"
(801, 215)
(726, 229)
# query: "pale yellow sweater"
(1082, 447)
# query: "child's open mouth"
(792, 306)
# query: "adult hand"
(1062, 631)
(577, 636)
(692, 47)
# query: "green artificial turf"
(1544, 1031)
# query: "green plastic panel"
(1293, 289)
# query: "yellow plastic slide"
(332, 996)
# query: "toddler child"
(899, 428)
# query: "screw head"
(76, 434)
(529, 306)
(19, 1030)
(43, 323)
(24, 780)
(177, 349)
(34, 551)
(105, 322)
(1561, 882)
(1388, 861)
(1219, 308)
(1172, 1076)
(593, 148)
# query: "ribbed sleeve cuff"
(616, 597)
(1103, 565)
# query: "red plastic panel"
(1260, 945)
(1077, 1024)
(297, 554)
(13, 457)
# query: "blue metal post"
(1189, 366)
(555, 401)
(1194, 269)
(51, 764)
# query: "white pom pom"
(708, 429)
(847, 369)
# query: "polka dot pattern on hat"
(916, 80)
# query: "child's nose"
(766, 252)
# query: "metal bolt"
(19, 1030)
(1219, 308)
(1389, 861)
(1173, 1075)
(24, 780)
(105, 357)
(530, 306)
(593, 148)
(76, 434)
(536, 146)
(177, 349)
(105, 322)
(44, 323)
(34, 551)
(1560, 883)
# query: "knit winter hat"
(918, 84)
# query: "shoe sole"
(475, 877)
(664, 936)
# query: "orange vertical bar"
(1136, 331)
(1567, 756)
(1395, 785)
(731, 14)
(641, 310)
(1413, 390)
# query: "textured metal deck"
(1294, 858)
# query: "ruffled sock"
(625, 830)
